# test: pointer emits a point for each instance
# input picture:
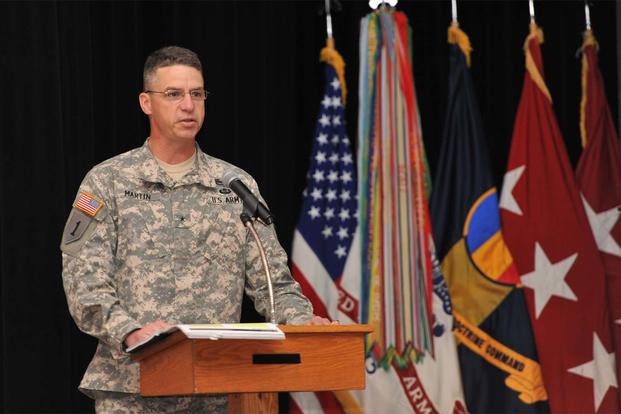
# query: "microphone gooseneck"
(254, 208)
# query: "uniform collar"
(204, 172)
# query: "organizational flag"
(599, 179)
(499, 368)
(548, 234)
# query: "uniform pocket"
(143, 231)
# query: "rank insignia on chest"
(88, 204)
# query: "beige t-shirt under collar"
(176, 171)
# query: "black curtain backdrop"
(71, 74)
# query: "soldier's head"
(168, 56)
(174, 93)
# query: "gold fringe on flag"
(535, 32)
(329, 55)
(589, 40)
(460, 38)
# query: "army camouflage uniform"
(122, 403)
(149, 248)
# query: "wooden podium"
(311, 358)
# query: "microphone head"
(228, 177)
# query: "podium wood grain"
(330, 358)
(252, 402)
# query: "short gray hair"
(169, 56)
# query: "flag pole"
(587, 14)
(531, 10)
(329, 38)
(330, 55)
(619, 64)
(457, 36)
(454, 10)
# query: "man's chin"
(186, 134)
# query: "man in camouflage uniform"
(154, 238)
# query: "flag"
(326, 225)
(599, 179)
(411, 358)
(547, 232)
(499, 368)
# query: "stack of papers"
(232, 331)
(261, 330)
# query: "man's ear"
(145, 103)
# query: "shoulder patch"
(79, 228)
(76, 226)
(88, 204)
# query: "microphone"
(253, 206)
(251, 202)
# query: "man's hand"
(145, 332)
(318, 320)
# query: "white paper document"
(260, 330)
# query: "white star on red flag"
(601, 369)
(507, 200)
(548, 279)
(602, 224)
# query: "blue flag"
(498, 359)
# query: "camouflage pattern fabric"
(159, 249)
(118, 403)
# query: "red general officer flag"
(599, 178)
(548, 234)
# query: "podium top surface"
(293, 329)
(289, 330)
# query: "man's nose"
(187, 104)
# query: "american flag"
(88, 204)
(327, 223)
(328, 216)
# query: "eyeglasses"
(175, 95)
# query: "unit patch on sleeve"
(76, 226)
(86, 213)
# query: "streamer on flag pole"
(398, 238)
(412, 362)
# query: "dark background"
(71, 74)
